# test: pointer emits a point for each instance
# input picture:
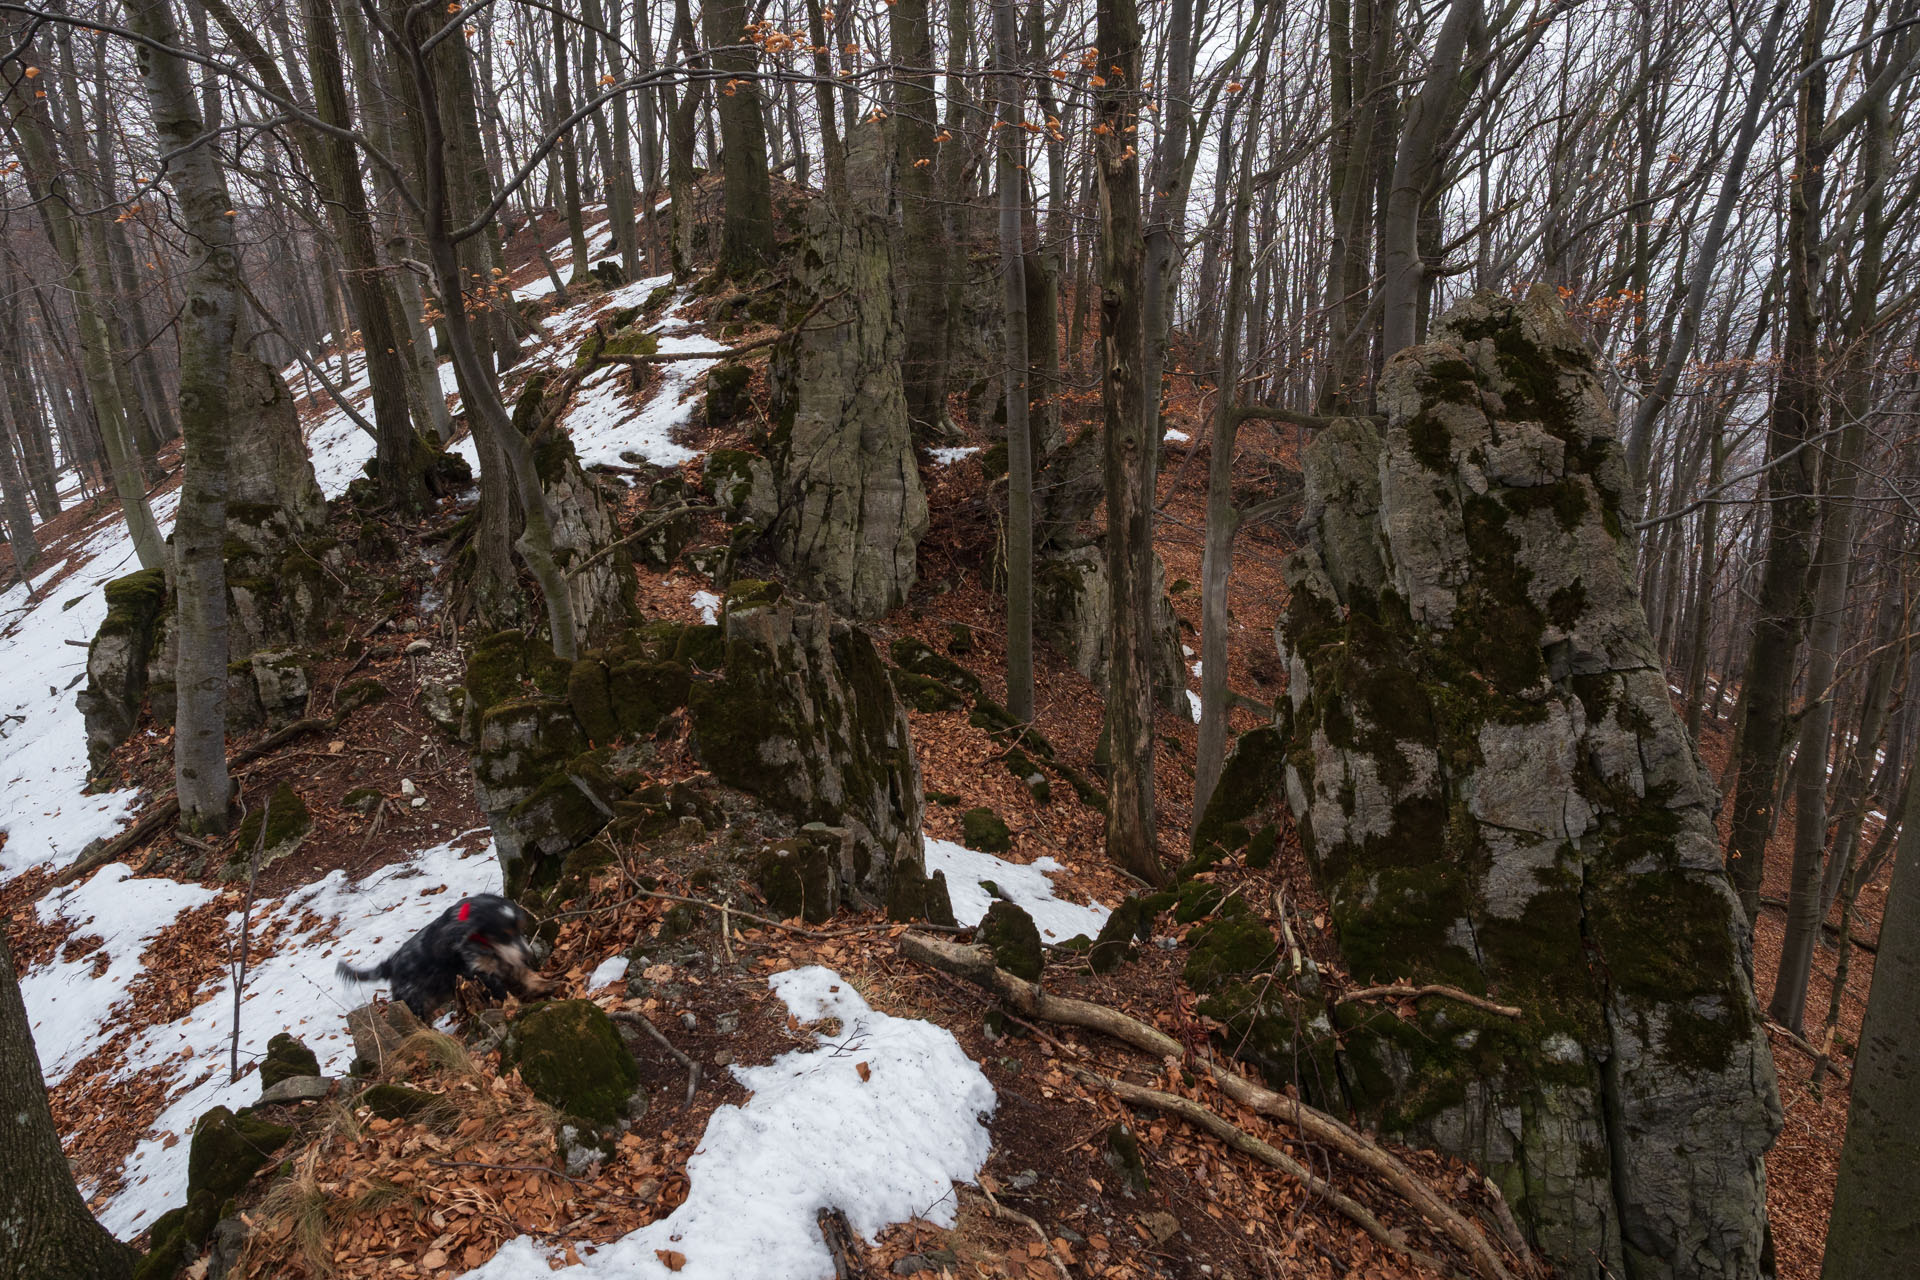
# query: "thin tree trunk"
(746, 230)
(1019, 434)
(30, 126)
(926, 270)
(1130, 840)
(569, 153)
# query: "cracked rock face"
(1496, 794)
(852, 510)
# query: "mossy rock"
(1250, 782)
(660, 297)
(608, 273)
(1009, 932)
(641, 694)
(627, 342)
(395, 1101)
(591, 698)
(1123, 1157)
(727, 397)
(959, 638)
(924, 693)
(286, 1058)
(1130, 921)
(572, 1057)
(919, 657)
(702, 647)
(134, 603)
(228, 1148)
(360, 693)
(287, 823)
(944, 798)
(798, 878)
(983, 829)
(1231, 947)
(1197, 899)
(912, 896)
(746, 593)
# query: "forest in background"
(1106, 225)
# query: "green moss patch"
(984, 830)
(570, 1054)
(1009, 932)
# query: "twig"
(246, 934)
(1014, 1215)
(837, 1232)
(1240, 1140)
(642, 1021)
(1803, 1046)
(1404, 991)
(823, 934)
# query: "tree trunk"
(1019, 433)
(569, 153)
(1794, 505)
(746, 231)
(1871, 1233)
(30, 125)
(46, 1232)
(1130, 840)
(18, 515)
(206, 355)
(926, 270)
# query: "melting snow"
(610, 970)
(883, 1146)
(947, 457)
(969, 871)
(709, 606)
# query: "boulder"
(571, 1056)
(1071, 612)
(287, 1057)
(117, 662)
(847, 478)
(1494, 792)
(806, 719)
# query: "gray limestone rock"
(806, 719)
(852, 506)
(1070, 611)
(1495, 793)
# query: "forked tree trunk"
(46, 1232)
(746, 231)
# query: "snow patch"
(1193, 704)
(879, 1121)
(947, 457)
(607, 971)
(709, 606)
(968, 871)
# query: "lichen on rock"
(1495, 793)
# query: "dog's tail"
(378, 973)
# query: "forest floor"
(129, 975)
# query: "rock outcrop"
(283, 579)
(788, 705)
(1071, 608)
(1494, 792)
(852, 509)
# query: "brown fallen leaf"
(670, 1259)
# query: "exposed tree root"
(975, 964)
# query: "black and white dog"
(483, 937)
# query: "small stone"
(1025, 1180)
(406, 787)
(419, 802)
(418, 647)
(1161, 1225)
(296, 1089)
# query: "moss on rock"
(572, 1057)
(227, 1149)
(287, 1057)
(1009, 932)
(286, 820)
(983, 829)
(1231, 947)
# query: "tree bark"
(746, 230)
(30, 123)
(1872, 1233)
(46, 1232)
(1019, 433)
(926, 270)
(206, 354)
(1793, 499)
(1130, 840)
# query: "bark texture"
(1495, 792)
(852, 506)
(46, 1232)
